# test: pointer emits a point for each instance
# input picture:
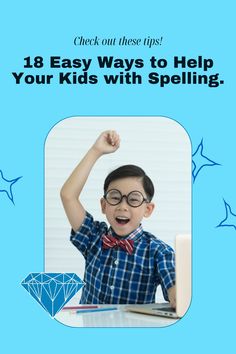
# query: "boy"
(123, 263)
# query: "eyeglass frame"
(145, 200)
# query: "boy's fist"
(107, 142)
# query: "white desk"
(113, 318)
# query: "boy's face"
(122, 217)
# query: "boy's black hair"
(131, 171)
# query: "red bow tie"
(110, 242)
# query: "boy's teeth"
(122, 219)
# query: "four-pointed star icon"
(6, 186)
(230, 217)
(200, 160)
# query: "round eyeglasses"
(133, 199)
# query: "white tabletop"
(118, 317)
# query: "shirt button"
(112, 287)
(116, 262)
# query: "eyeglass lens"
(134, 198)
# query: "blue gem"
(52, 290)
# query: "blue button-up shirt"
(112, 276)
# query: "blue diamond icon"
(52, 290)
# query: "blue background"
(29, 111)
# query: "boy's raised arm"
(106, 143)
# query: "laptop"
(183, 284)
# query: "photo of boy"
(123, 263)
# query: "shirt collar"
(134, 235)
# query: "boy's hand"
(107, 142)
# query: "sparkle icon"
(6, 186)
(200, 160)
(52, 290)
(230, 218)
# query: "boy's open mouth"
(122, 220)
